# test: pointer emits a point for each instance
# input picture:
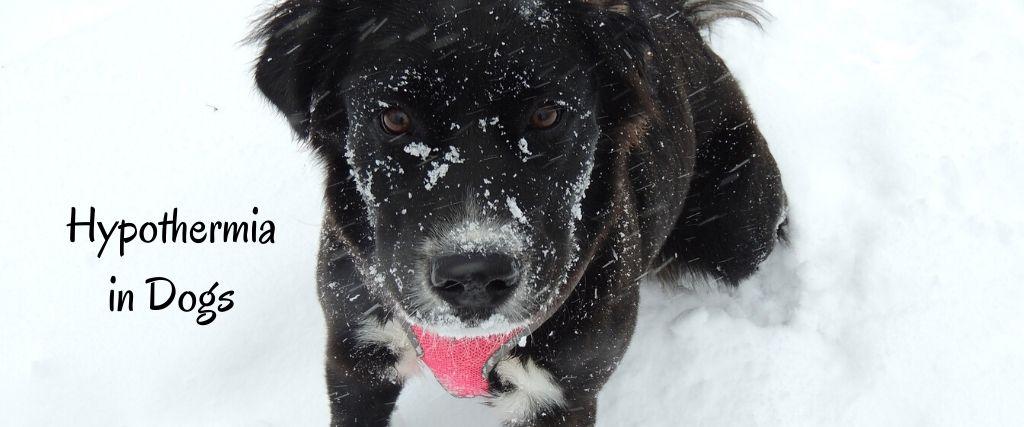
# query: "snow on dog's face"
(471, 151)
(460, 140)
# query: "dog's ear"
(623, 43)
(298, 38)
(617, 32)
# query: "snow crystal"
(534, 10)
(448, 325)
(484, 122)
(579, 189)
(418, 149)
(363, 181)
(483, 236)
(453, 156)
(524, 148)
(437, 171)
(513, 207)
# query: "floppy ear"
(623, 45)
(296, 36)
(304, 41)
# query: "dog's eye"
(395, 121)
(546, 116)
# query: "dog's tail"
(703, 13)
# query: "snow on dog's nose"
(474, 282)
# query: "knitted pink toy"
(458, 363)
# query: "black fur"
(681, 181)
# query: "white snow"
(436, 172)
(453, 156)
(524, 149)
(513, 208)
(453, 327)
(896, 125)
(476, 236)
(487, 121)
(418, 149)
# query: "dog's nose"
(474, 281)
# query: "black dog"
(501, 174)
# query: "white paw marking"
(535, 390)
(391, 336)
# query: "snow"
(436, 172)
(896, 125)
(418, 149)
(477, 236)
(449, 326)
(483, 123)
(513, 208)
(524, 148)
(453, 156)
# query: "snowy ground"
(896, 125)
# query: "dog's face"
(472, 151)
(469, 132)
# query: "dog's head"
(467, 144)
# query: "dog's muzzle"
(476, 268)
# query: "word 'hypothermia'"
(170, 230)
(163, 294)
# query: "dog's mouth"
(461, 352)
(478, 292)
(462, 363)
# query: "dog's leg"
(567, 361)
(570, 357)
(735, 208)
(574, 355)
(364, 372)
(360, 392)
(576, 414)
(367, 355)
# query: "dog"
(501, 175)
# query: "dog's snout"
(474, 281)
